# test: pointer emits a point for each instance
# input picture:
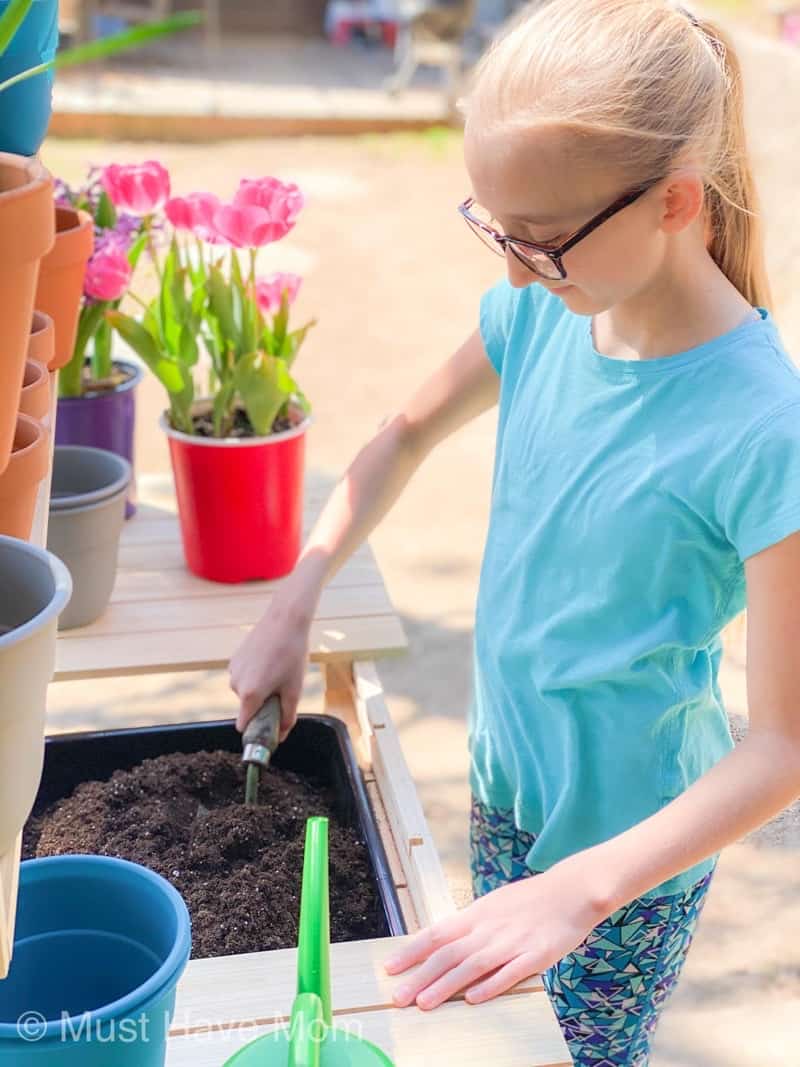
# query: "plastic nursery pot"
(104, 419)
(25, 108)
(240, 502)
(61, 278)
(42, 339)
(34, 400)
(87, 510)
(36, 587)
(99, 948)
(26, 233)
(19, 482)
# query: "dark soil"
(93, 386)
(239, 869)
(204, 423)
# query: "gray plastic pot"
(87, 510)
(34, 588)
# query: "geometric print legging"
(609, 993)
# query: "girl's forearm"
(750, 785)
(366, 492)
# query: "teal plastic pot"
(25, 108)
(99, 947)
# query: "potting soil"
(239, 869)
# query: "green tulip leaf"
(11, 20)
(293, 341)
(264, 385)
(93, 50)
(167, 370)
(221, 305)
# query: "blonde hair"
(638, 86)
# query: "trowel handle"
(260, 738)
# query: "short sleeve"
(497, 309)
(762, 504)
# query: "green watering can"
(311, 1039)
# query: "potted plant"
(97, 392)
(217, 336)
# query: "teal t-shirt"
(625, 496)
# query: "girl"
(646, 477)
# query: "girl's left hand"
(500, 939)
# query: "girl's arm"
(273, 656)
(460, 389)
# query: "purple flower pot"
(103, 420)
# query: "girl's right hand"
(271, 659)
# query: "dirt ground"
(394, 278)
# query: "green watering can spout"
(313, 947)
(311, 1039)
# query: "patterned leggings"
(609, 993)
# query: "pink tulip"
(108, 274)
(269, 289)
(243, 226)
(140, 188)
(282, 200)
(194, 212)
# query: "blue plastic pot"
(25, 108)
(100, 945)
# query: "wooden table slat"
(511, 1031)
(168, 556)
(211, 648)
(255, 984)
(171, 616)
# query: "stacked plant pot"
(26, 234)
(87, 510)
(35, 585)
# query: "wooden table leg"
(353, 693)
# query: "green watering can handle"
(307, 1031)
(313, 947)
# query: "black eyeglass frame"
(553, 254)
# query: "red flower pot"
(240, 502)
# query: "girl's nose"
(518, 274)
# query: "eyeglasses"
(544, 261)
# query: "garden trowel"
(260, 739)
(311, 1039)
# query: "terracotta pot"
(19, 483)
(27, 230)
(61, 279)
(42, 340)
(34, 400)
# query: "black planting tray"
(318, 745)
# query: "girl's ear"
(682, 201)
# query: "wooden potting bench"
(163, 619)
